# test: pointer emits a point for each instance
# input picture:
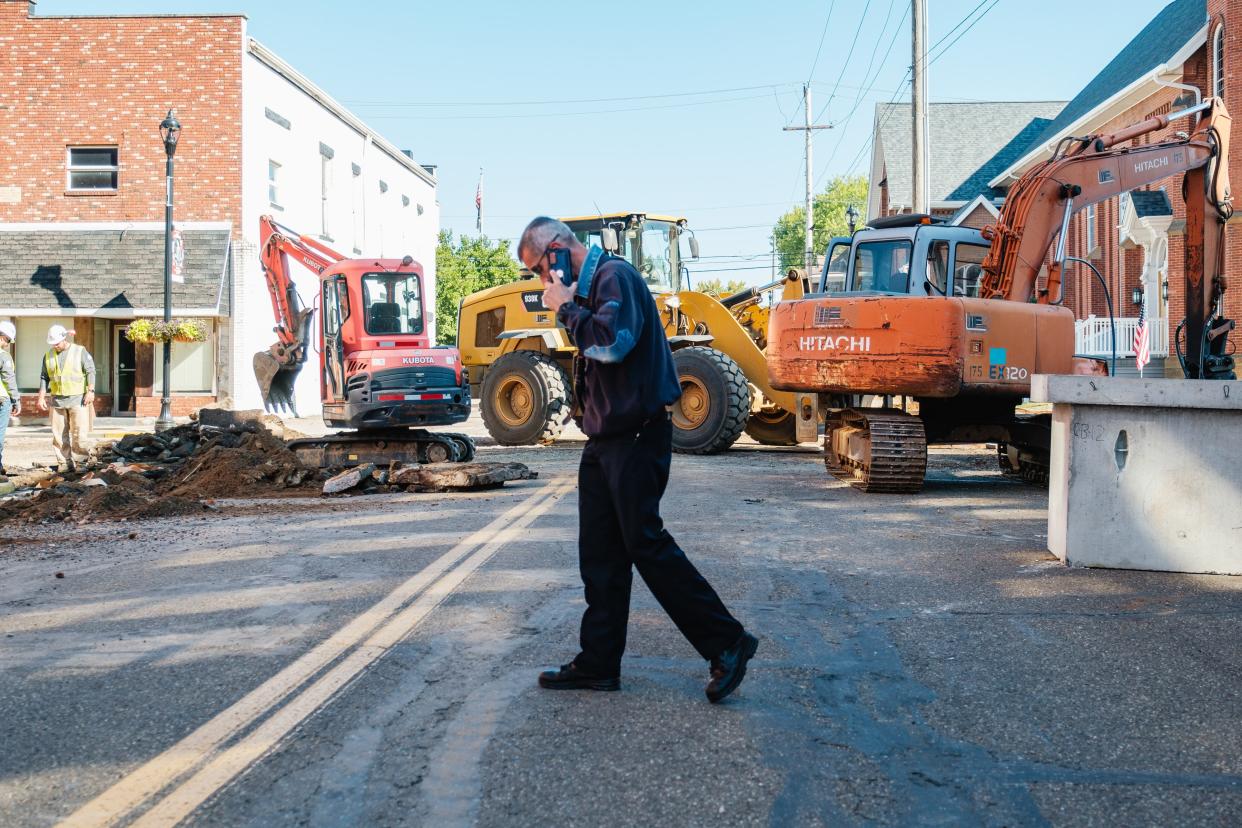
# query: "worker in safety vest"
(10, 399)
(69, 376)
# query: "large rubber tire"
(778, 428)
(715, 401)
(526, 399)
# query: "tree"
(829, 219)
(718, 287)
(464, 266)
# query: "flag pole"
(478, 204)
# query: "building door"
(124, 401)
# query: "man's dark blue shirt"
(630, 376)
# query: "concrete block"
(1145, 474)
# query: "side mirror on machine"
(608, 238)
(694, 247)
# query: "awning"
(110, 271)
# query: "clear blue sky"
(449, 81)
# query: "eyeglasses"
(539, 267)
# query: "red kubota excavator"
(381, 375)
(951, 318)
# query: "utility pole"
(808, 260)
(920, 188)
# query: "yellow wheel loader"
(522, 362)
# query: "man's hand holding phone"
(560, 285)
(557, 293)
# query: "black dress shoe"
(569, 677)
(729, 668)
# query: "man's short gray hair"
(541, 232)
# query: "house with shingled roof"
(970, 143)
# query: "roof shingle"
(108, 269)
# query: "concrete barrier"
(1145, 474)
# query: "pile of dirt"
(69, 503)
(167, 474)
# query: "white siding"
(378, 226)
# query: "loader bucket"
(276, 382)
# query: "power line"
(949, 33)
(859, 98)
(571, 100)
(963, 34)
(558, 114)
(875, 49)
(822, 35)
(731, 269)
(841, 75)
(905, 80)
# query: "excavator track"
(412, 445)
(1032, 463)
(876, 450)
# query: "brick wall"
(109, 80)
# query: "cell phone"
(562, 262)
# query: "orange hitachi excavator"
(381, 376)
(950, 318)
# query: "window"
(968, 269)
(392, 303)
(938, 269)
(356, 203)
(836, 268)
(273, 183)
(92, 168)
(1090, 229)
(656, 268)
(193, 368)
(489, 325)
(325, 184)
(31, 345)
(1218, 62)
(883, 266)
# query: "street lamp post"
(170, 131)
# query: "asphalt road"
(372, 661)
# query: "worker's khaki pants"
(70, 427)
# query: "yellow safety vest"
(69, 381)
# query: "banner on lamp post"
(178, 256)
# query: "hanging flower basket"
(151, 331)
(141, 332)
(188, 330)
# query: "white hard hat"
(56, 334)
(8, 329)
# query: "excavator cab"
(906, 255)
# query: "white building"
(316, 168)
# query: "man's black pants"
(620, 482)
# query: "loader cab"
(906, 255)
(651, 243)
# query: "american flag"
(478, 203)
(1142, 339)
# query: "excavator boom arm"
(277, 368)
(1093, 170)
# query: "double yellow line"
(201, 763)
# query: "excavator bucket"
(276, 382)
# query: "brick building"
(1188, 51)
(82, 194)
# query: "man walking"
(10, 398)
(629, 384)
(69, 376)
